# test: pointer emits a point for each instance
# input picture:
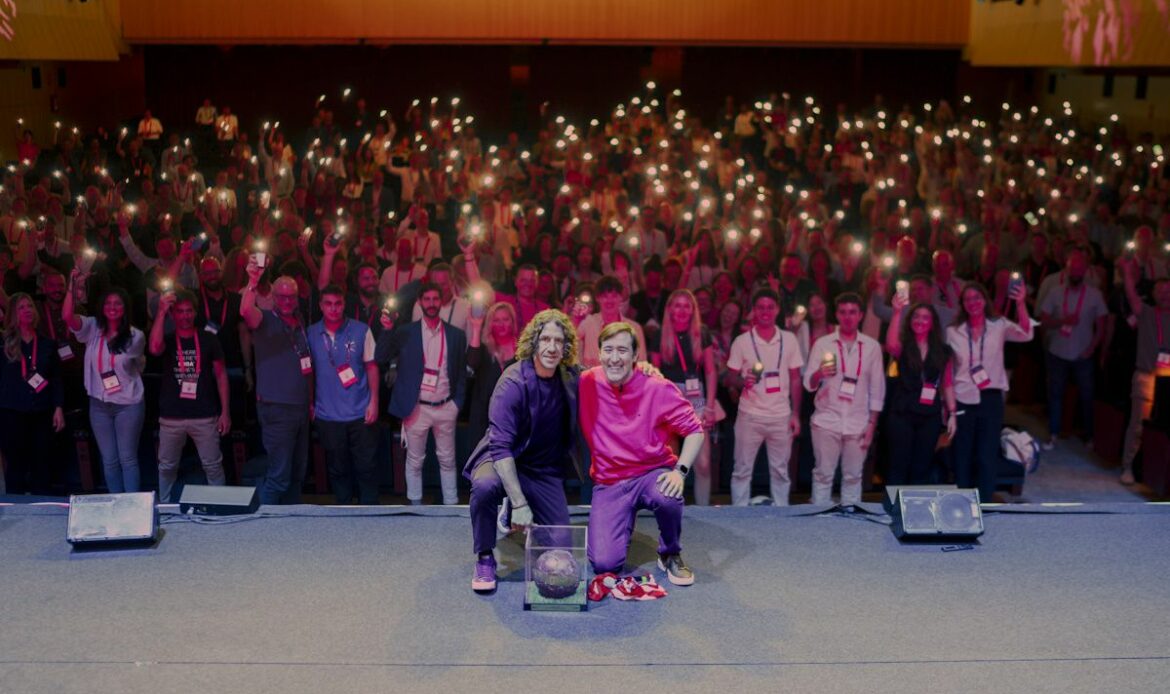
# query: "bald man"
(284, 371)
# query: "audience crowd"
(852, 285)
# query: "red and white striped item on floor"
(625, 588)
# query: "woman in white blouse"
(977, 340)
(113, 378)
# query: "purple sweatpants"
(611, 519)
(545, 494)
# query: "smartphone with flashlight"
(902, 287)
(1015, 282)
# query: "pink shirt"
(627, 428)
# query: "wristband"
(514, 506)
(683, 469)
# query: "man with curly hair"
(531, 444)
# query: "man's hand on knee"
(670, 483)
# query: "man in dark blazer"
(429, 390)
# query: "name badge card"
(772, 382)
(306, 365)
(111, 383)
(430, 380)
(347, 376)
(693, 388)
(37, 383)
(65, 352)
(848, 389)
(188, 389)
(929, 393)
(211, 327)
(1163, 362)
(980, 377)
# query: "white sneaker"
(1127, 477)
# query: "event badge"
(848, 389)
(211, 327)
(772, 382)
(430, 380)
(188, 389)
(306, 365)
(37, 383)
(1163, 362)
(693, 388)
(65, 352)
(345, 373)
(980, 377)
(929, 393)
(111, 383)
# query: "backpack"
(1020, 447)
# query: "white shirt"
(863, 361)
(988, 351)
(227, 127)
(437, 353)
(779, 355)
(394, 278)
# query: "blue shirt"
(335, 402)
(279, 348)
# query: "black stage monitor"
(98, 520)
(935, 513)
(207, 500)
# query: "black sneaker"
(676, 569)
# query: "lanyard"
(207, 308)
(971, 346)
(860, 354)
(182, 361)
(442, 346)
(49, 323)
(780, 356)
(681, 359)
(357, 314)
(102, 347)
(944, 289)
(330, 345)
(292, 338)
(1158, 319)
(31, 361)
(1080, 301)
(424, 250)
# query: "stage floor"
(313, 599)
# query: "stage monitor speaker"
(936, 513)
(108, 520)
(207, 500)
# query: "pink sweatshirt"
(627, 428)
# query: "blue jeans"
(284, 429)
(117, 429)
(1059, 371)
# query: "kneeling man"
(627, 418)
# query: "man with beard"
(193, 394)
(1074, 314)
(69, 350)
(627, 418)
(429, 391)
(528, 450)
(345, 398)
(364, 305)
(284, 369)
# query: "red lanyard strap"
(1080, 301)
(442, 346)
(102, 346)
(25, 364)
(182, 361)
(207, 308)
(860, 354)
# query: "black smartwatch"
(684, 469)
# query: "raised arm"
(248, 310)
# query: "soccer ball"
(556, 574)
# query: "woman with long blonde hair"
(686, 357)
(31, 398)
(491, 348)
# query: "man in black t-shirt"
(193, 398)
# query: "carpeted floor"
(337, 600)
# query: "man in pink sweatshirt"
(627, 418)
